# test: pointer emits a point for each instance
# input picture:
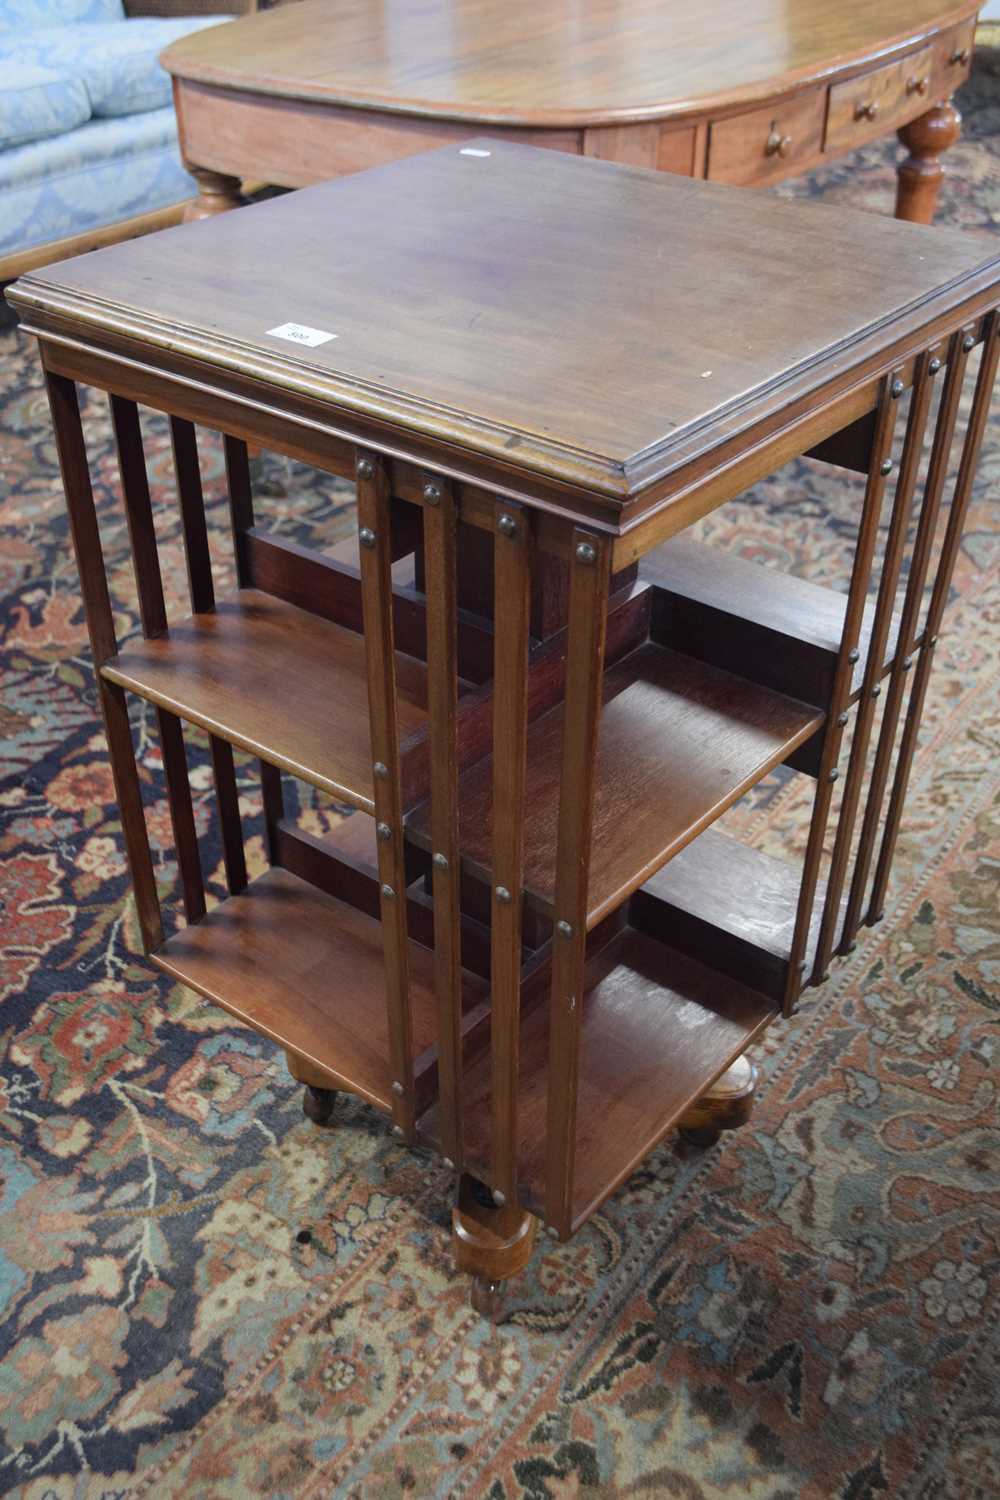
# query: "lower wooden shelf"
(657, 1029)
(308, 971)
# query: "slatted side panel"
(838, 709)
(75, 470)
(512, 614)
(376, 599)
(942, 583)
(590, 572)
(440, 583)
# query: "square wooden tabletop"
(571, 314)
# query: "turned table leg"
(490, 1242)
(725, 1106)
(921, 173)
(318, 1098)
(217, 193)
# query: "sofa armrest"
(135, 8)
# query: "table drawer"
(862, 109)
(769, 143)
(953, 58)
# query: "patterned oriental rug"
(203, 1295)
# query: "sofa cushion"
(36, 102)
(105, 171)
(16, 15)
(117, 63)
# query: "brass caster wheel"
(703, 1138)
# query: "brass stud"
(934, 366)
(502, 894)
(507, 525)
(398, 1131)
(366, 536)
(441, 860)
(446, 1161)
(585, 553)
(886, 467)
(853, 655)
(564, 929)
(552, 1231)
(852, 945)
(432, 494)
(842, 719)
(384, 832)
(366, 469)
(907, 663)
(397, 1087)
(834, 774)
(968, 342)
(498, 1198)
(897, 388)
(381, 769)
(877, 690)
(388, 893)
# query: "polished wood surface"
(744, 94)
(680, 742)
(507, 284)
(598, 62)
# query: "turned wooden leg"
(217, 194)
(318, 1098)
(725, 1106)
(492, 1243)
(921, 173)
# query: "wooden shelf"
(657, 1029)
(283, 684)
(680, 742)
(723, 901)
(309, 972)
(772, 627)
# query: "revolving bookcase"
(530, 945)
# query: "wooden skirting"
(20, 261)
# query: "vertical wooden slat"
(840, 693)
(228, 799)
(153, 614)
(240, 504)
(871, 681)
(274, 807)
(937, 469)
(192, 507)
(439, 550)
(72, 452)
(139, 515)
(513, 552)
(588, 599)
(376, 604)
(939, 597)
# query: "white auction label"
(298, 333)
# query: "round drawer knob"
(866, 111)
(917, 85)
(778, 144)
(960, 56)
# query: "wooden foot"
(921, 173)
(217, 194)
(492, 1243)
(318, 1098)
(725, 1106)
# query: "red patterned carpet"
(205, 1296)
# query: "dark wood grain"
(240, 503)
(191, 499)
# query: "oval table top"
(560, 62)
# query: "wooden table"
(744, 93)
(532, 946)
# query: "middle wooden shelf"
(679, 742)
